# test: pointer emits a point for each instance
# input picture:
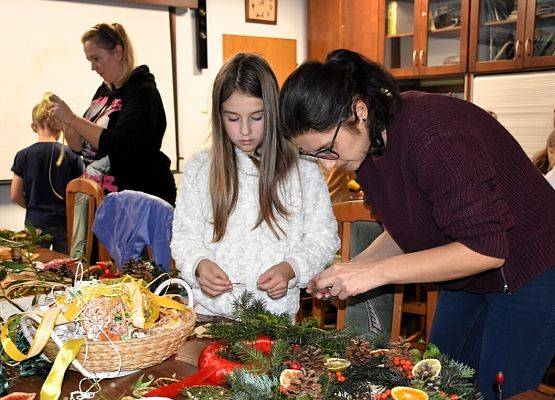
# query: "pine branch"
(247, 354)
(248, 386)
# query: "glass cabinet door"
(445, 40)
(539, 44)
(500, 27)
(399, 52)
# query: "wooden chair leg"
(431, 303)
(341, 312)
(318, 311)
(397, 311)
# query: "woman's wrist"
(73, 116)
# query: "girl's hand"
(276, 279)
(344, 280)
(212, 279)
(60, 110)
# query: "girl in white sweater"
(250, 215)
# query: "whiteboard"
(42, 51)
(524, 104)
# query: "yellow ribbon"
(52, 387)
(44, 330)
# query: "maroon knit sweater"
(450, 172)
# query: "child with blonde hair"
(39, 181)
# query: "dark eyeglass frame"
(327, 153)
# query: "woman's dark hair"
(318, 95)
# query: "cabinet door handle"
(528, 46)
(421, 57)
(414, 58)
(517, 49)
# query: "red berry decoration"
(388, 392)
(453, 397)
(500, 378)
(295, 365)
(340, 377)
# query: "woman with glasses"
(461, 204)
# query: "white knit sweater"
(245, 253)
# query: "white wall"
(223, 17)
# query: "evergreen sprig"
(254, 320)
(246, 385)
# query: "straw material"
(135, 353)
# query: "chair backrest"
(130, 221)
(346, 213)
(95, 196)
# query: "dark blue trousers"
(498, 332)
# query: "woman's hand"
(212, 279)
(344, 280)
(276, 280)
(60, 110)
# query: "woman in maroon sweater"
(460, 202)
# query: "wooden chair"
(95, 195)
(423, 304)
(346, 213)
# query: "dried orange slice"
(337, 364)
(431, 366)
(407, 393)
(288, 375)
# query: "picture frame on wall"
(261, 11)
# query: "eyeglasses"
(327, 152)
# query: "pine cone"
(294, 388)
(401, 349)
(139, 270)
(311, 358)
(311, 384)
(359, 351)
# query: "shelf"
(399, 35)
(548, 15)
(442, 30)
(501, 22)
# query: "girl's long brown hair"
(249, 74)
(540, 159)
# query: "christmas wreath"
(266, 356)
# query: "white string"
(94, 388)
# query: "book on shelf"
(544, 43)
(392, 18)
(506, 52)
(500, 10)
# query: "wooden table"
(46, 255)
(182, 364)
(532, 395)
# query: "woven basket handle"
(181, 283)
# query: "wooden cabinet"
(349, 24)
(423, 37)
(429, 38)
(511, 35)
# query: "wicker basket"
(102, 360)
